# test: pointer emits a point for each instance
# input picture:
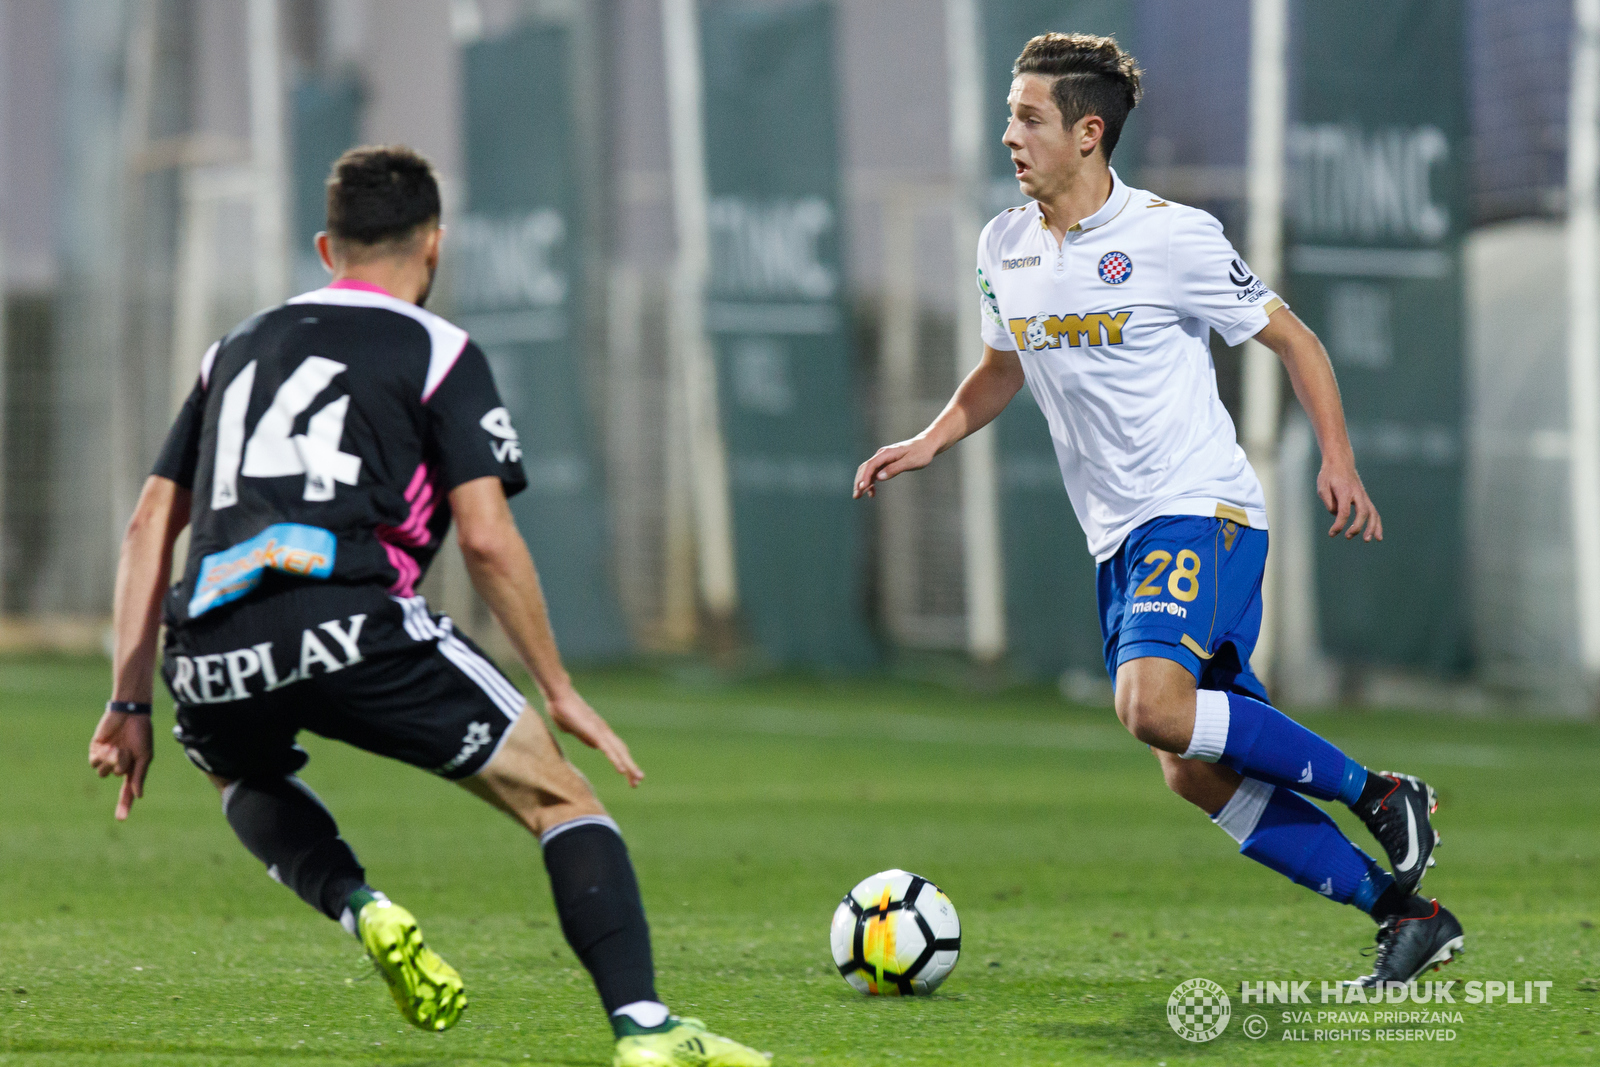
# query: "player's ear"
(432, 244)
(1088, 132)
(325, 251)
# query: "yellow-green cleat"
(685, 1043)
(426, 989)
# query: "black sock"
(1390, 902)
(597, 898)
(1376, 789)
(285, 826)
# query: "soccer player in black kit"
(318, 462)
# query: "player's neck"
(1081, 193)
(402, 279)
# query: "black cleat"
(1425, 935)
(1399, 820)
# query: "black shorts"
(350, 663)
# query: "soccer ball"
(896, 933)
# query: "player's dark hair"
(380, 195)
(1093, 76)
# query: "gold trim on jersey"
(1273, 305)
(1233, 514)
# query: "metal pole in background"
(1262, 401)
(1583, 325)
(267, 154)
(141, 60)
(5, 367)
(689, 349)
(980, 490)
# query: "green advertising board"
(778, 323)
(518, 287)
(326, 120)
(1051, 620)
(1375, 212)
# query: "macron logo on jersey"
(1046, 331)
(498, 422)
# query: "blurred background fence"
(717, 251)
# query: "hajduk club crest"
(1115, 268)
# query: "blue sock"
(1263, 743)
(1282, 830)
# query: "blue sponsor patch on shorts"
(290, 547)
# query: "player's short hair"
(378, 198)
(1093, 76)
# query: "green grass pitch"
(1087, 892)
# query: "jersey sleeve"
(470, 429)
(1211, 282)
(180, 454)
(991, 326)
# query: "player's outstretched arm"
(122, 744)
(1338, 484)
(502, 571)
(980, 397)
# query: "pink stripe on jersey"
(356, 283)
(410, 571)
(412, 532)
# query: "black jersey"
(321, 441)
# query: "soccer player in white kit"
(1101, 299)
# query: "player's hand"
(890, 460)
(1347, 501)
(573, 714)
(123, 745)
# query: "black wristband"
(128, 707)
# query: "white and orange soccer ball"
(896, 934)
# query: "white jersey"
(1113, 327)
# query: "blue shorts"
(1188, 589)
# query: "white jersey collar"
(1120, 195)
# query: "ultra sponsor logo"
(1250, 287)
(291, 547)
(1046, 331)
(1198, 1010)
(245, 672)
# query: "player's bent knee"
(532, 781)
(1155, 702)
(1150, 719)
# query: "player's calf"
(284, 825)
(591, 875)
(1208, 786)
